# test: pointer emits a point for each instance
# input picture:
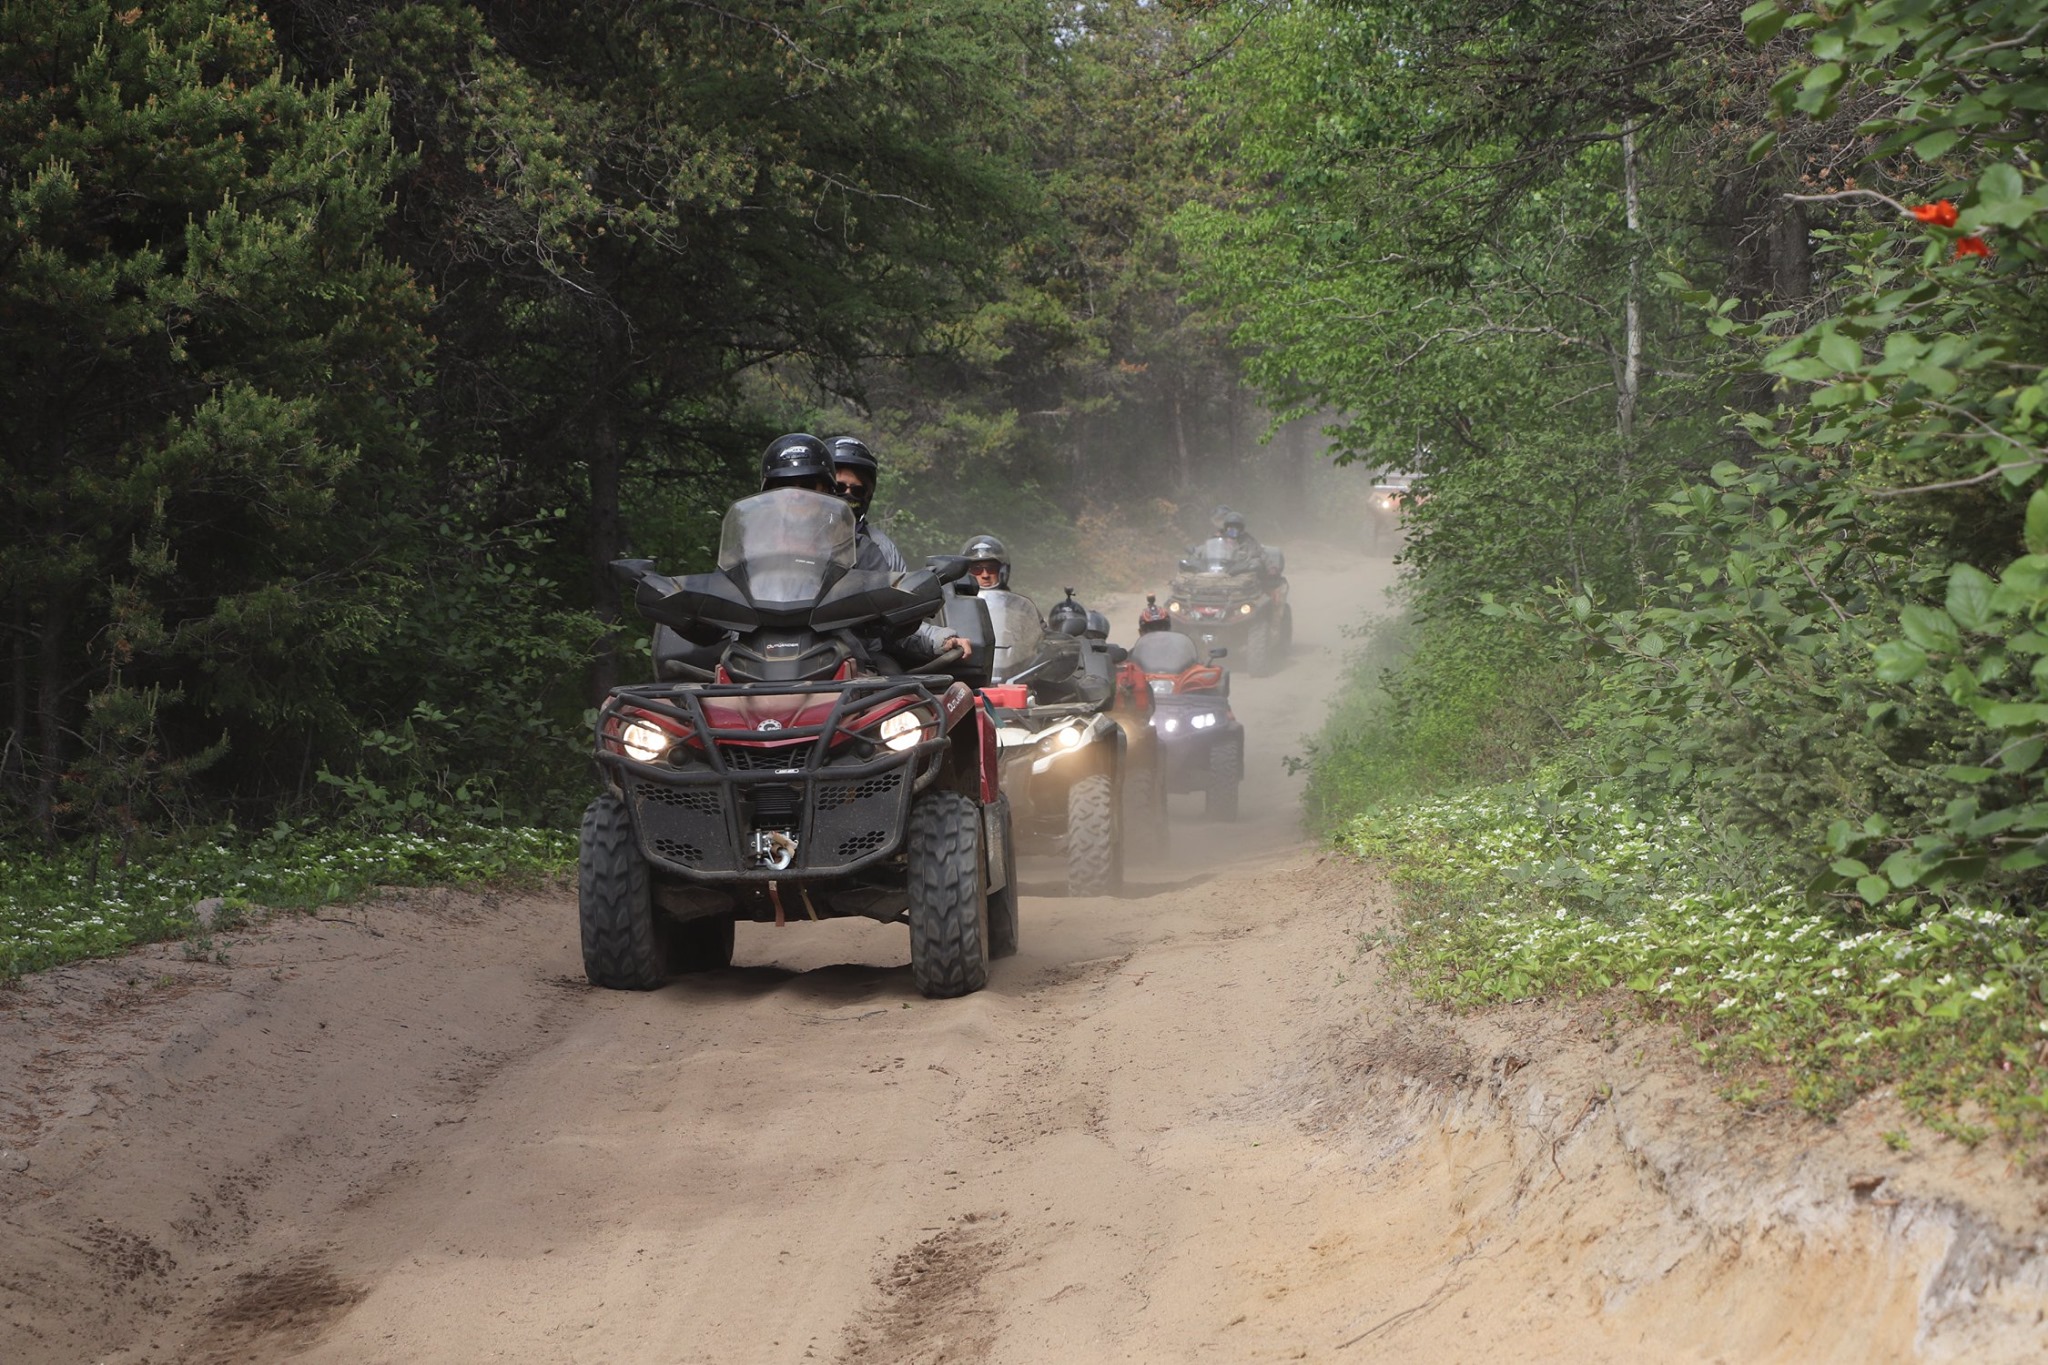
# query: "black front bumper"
(696, 816)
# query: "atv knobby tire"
(699, 945)
(1261, 647)
(949, 909)
(1145, 808)
(622, 936)
(1002, 905)
(1094, 867)
(1226, 770)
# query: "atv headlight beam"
(1058, 742)
(643, 742)
(902, 730)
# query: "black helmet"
(1232, 525)
(1098, 625)
(988, 547)
(1153, 617)
(850, 452)
(798, 458)
(1068, 617)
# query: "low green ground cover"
(1521, 890)
(75, 904)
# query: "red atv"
(787, 771)
(1201, 741)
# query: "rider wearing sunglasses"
(847, 469)
(855, 473)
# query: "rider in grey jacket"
(856, 472)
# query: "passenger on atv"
(800, 460)
(1027, 639)
(855, 475)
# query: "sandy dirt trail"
(408, 1132)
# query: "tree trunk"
(1791, 257)
(1628, 378)
(1080, 446)
(50, 727)
(1241, 454)
(14, 751)
(607, 537)
(1294, 450)
(1180, 441)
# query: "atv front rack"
(792, 802)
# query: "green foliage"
(1531, 888)
(436, 749)
(1463, 281)
(74, 905)
(1862, 603)
(1822, 635)
(207, 357)
(1432, 706)
(1814, 712)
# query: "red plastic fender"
(985, 735)
(955, 702)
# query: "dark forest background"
(342, 345)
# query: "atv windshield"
(786, 546)
(1019, 632)
(1219, 555)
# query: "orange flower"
(1971, 246)
(1941, 213)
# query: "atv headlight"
(902, 730)
(1057, 743)
(1202, 720)
(1161, 685)
(1174, 607)
(1244, 609)
(643, 742)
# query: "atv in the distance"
(798, 783)
(1228, 596)
(1201, 741)
(1065, 758)
(1144, 798)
